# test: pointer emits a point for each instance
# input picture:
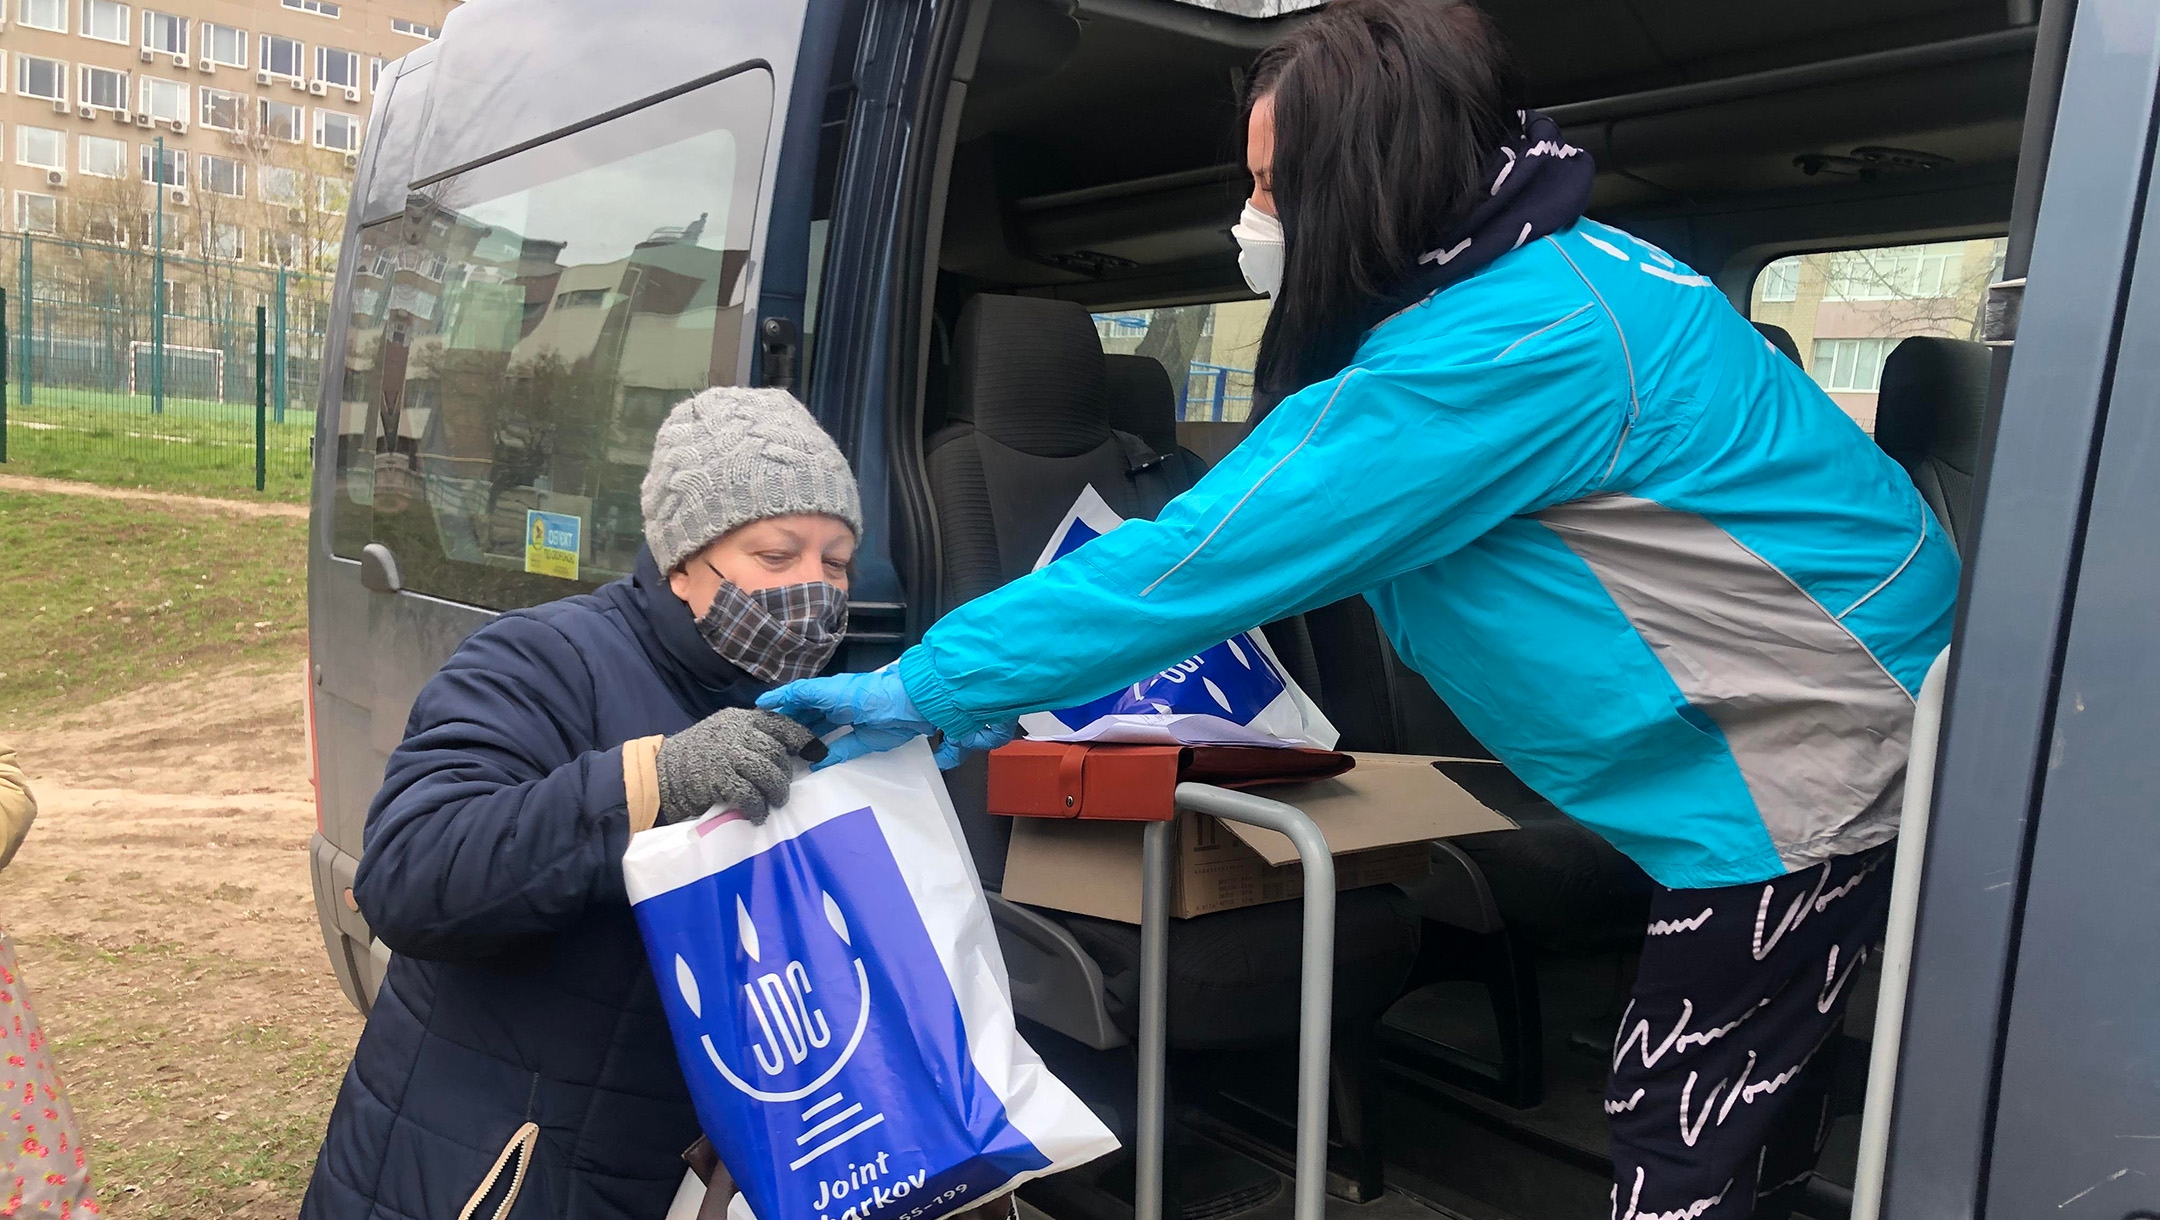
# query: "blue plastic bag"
(1235, 693)
(840, 1005)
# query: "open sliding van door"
(565, 223)
(2031, 1048)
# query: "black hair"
(1386, 112)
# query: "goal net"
(190, 372)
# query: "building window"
(280, 185)
(171, 170)
(1897, 273)
(283, 56)
(164, 32)
(224, 241)
(321, 8)
(415, 29)
(164, 99)
(105, 20)
(46, 78)
(1780, 281)
(1850, 365)
(42, 15)
(374, 74)
(282, 249)
(104, 88)
(340, 132)
(279, 120)
(105, 227)
(225, 44)
(331, 195)
(101, 157)
(338, 68)
(40, 147)
(223, 175)
(224, 111)
(36, 213)
(175, 233)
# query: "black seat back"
(1029, 428)
(1781, 339)
(1929, 417)
(1143, 402)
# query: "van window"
(1848, 309)
(520, 332)
(1209, 352)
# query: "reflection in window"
(517, 337)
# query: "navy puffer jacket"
(518, 1026)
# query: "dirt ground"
(244, 508)
(163, 914)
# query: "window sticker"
(551, 543)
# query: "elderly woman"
(517, 1053)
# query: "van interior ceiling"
(1097, 156)
(1096, 161)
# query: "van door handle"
(378, 569)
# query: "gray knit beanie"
(733, 455)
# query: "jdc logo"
(781, 1002)
(783, 1031)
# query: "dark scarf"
(1540, 184)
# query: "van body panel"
(2075, 1114)
(1999, 714)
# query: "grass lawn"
(106, 596)
(198, 446)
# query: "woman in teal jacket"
(1640, 554)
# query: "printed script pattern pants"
(1720, 1080)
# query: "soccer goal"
(190, 372)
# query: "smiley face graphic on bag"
(799, 1010)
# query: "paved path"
(65, 487)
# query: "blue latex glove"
(882, 715)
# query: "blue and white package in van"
(840, 1005)
(1235, 693)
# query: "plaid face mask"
(779, 634)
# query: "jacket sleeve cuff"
(641, 781)
(933, 697)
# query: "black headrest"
(1933, 401)
(1142, 401)
(1028, 373)
(1781, 339)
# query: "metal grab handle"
(1316, 992)
(1898, 942)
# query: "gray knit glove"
(739, 757)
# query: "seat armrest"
(1456, 892)
(1054, 981)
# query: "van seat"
(1929, 417)
(1031, 427)
(1143, 402)
(1781, 339)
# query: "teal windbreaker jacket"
(1639, 553)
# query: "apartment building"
(247, 115)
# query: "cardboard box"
(1377, 820)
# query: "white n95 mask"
(1260, 249)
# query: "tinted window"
(1847, 310)
(531, 325)
(1209, 352)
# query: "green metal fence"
(142, 369)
